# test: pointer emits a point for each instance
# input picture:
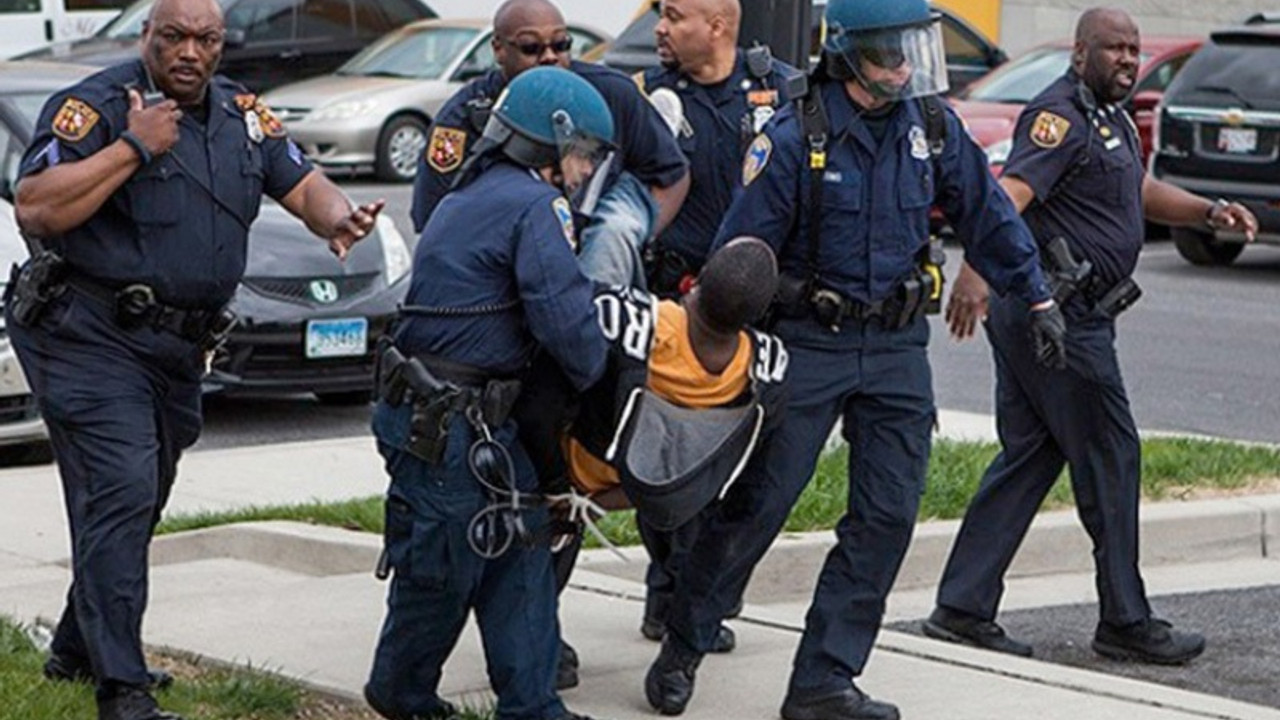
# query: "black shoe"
(64, 668)
(725, 642)
(131, 703)
(446, 711)
(848, 704)
(567, 668)
(957, 627)
(669, 684)
(1150, 641)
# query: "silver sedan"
(374, 111)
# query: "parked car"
(1219, 135)
(308, 323)
(373, 112)
(23, 436)
(969, 54)
(990, 106)
(28, 24)
(268, 42)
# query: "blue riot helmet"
(893, 48)
(547, 115)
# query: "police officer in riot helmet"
(841, 186)
(494, 279)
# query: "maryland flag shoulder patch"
(1049, 130)
(271, 125)
(246, 102)
(74, 120)
(446, 149)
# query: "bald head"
(181, 47)
(515, 14)
(1106, 53)
(526, 34)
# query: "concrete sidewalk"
(302, 599)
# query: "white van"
(28, 24)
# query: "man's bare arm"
(329, 213)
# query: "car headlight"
(345, 110)
(998, 152)
(396, 259)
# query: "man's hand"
(354, 227)
(156, 126)
(1234, 216)
(1049, 335)
(967, 305)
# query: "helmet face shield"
(584, 163)
(894, 63)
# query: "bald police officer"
(1075, 172)
(143, 207)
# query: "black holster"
(1119, 298)
(35, 284)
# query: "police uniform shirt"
(876, 202)
(163, 227)
(648, 150)
(721, 120)
(496, 265)
(1084, 162)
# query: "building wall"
(1025, 23)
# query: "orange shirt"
(676, 376)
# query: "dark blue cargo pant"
(121, 406)
(879, 383)
(1048, 419)
(438, 580)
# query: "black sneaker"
(65, 668)
(131, 703)
(848, 704)
(957, 627)
(446, 711)
(1149, 641)
(668, 686)
(567, 668)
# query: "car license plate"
(1237, 141)
(337, 338)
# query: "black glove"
(1049, 337)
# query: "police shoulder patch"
(271, 125)
(757, 158)
(564, 214)
(446, 149)
(74, 120)
(1049, 130)
(246, 101)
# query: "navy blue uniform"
(721, 120)
(648, 150)
(122, 403)
(1085, 165)
(499, 248)
(879, 184)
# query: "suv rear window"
(1232, 69)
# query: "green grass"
(212, 694)
(1171, 468)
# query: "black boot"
(1150, 641)
(446, 710)
(848, 704)
(66, 668)
(567, 668)
(124, 702)
(957, 627)
(669, 684)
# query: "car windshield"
(423, 54)
(1238, 71)
(29, 104)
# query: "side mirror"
(234, 38)
(997, 57)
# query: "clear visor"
(898, 63)
(584, 163)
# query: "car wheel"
(1200, 248)
(350, 397)
(400, 145)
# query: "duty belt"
(832, 309)
(136, 304)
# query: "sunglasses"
(533, 48)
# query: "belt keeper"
(134, 142)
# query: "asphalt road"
(1200, 353)
(1239, 661)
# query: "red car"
(990, 106)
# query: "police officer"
(727, 95)
(494, 277)
(841, 187)
(139, 185)
(526, 34)
(1075, 172)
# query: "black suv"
(969, 54)
(1219, 134)
(269, 42)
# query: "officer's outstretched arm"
(329, 213)
(670, 199)
(1171, 205)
